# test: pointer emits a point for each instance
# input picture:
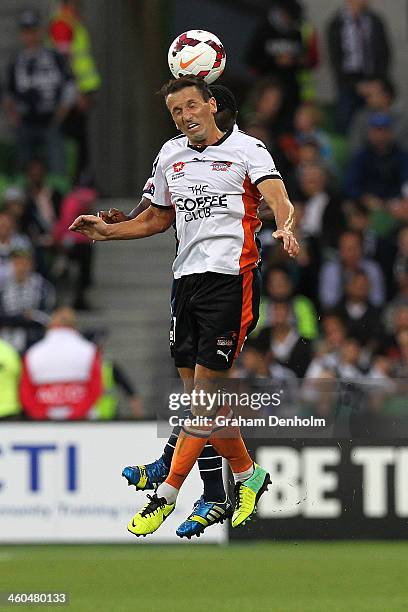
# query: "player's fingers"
(293, 247)
(77, 223)
(83, 220)
(286, 242)
(289, 244)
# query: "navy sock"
(210, 466)
(168, 451)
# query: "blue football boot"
(203, 515)
(145, 477)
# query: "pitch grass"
(270, 577)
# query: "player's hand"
(113, 215)
(290, 244)
(90, 226)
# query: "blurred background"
(323, 84)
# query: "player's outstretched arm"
(152, 221)
(114, 215)
(276, 196)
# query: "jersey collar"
(216, 144)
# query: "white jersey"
(214, 192)
(148, 189)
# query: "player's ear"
(213, 105)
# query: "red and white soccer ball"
(199, 53)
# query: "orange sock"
(187, 451)
(234, 450)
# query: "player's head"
(227, 110)
(192, 107)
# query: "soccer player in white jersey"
(213, 506)
(211, 182)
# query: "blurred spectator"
(41, 214)
(39, 92)
(307, 130)
(397, 321)
(333, 382)
(71, 37)
(26, 300)
(280, 287)
(358, 50)
(258, 368)
(308, 153)
(358, 220)
(342, 364)
(114, 379)
(400, 279)
(15, 203)
(376, 245)
(10, 241)
(334, 274)
(267, 109)
(267, 118)
(257, 361)
(74, 246)
(288, 348)
(333, 335)
(359, 316)
(400, 269)
(283, 46)
(62, 374)
(10, 370)
(322, 217)
(400, 369)
(379, 171)
(379, 96)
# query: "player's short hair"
(225, 98)
(176, 85)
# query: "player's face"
(192, 114)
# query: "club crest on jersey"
(221, 166)
(178, 166)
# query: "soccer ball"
(199, 53)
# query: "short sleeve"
(159, 190)
(148, 189)
(260, 164)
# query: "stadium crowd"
(339, 311)
(48, 370)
